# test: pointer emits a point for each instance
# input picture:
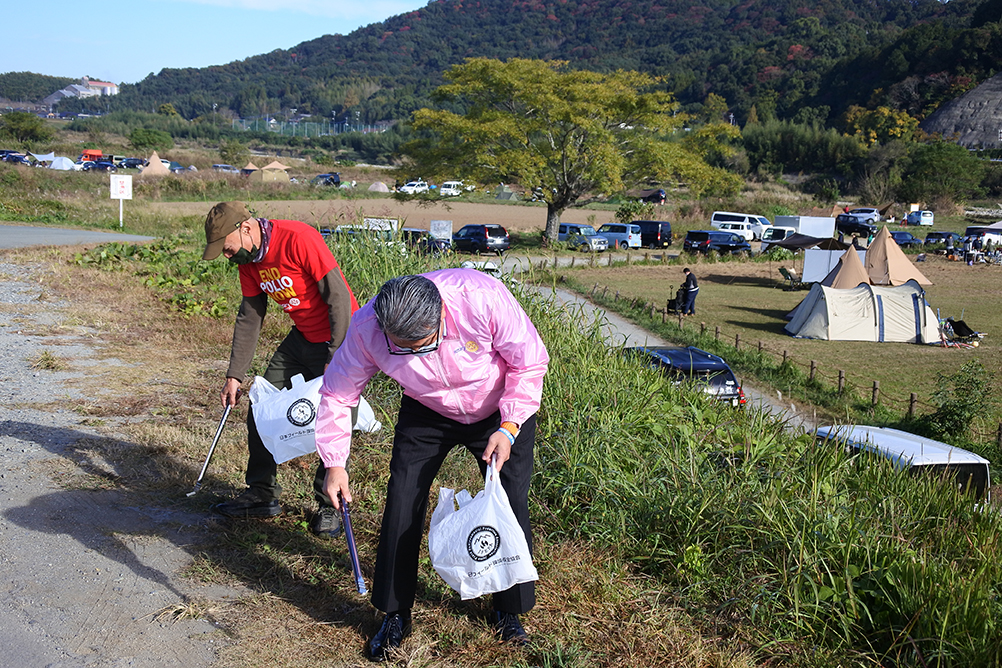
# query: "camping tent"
(273, 172)
(251, 167)
(62, 164)
(848, 271)
(48, 157)
(379, 187)
(887, 264)
(154, 167)
(866, 313)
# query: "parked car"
(131, 163)
(867, 214)
(226, 169)
(848, 224)
(582, 237)
(697, 368)
(332, 179)
(621, 236)
(16, 158)
(481, 239)
(915, 454)
(100, 166)
(906, 239)
(654, 233)
(743, 230)
(453, 189)
(414, 187)
(757, 224)
(421, 241)
(941, 237)
(919, 218)
(705, 241)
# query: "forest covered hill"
(792, 59)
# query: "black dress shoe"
(509, 630)
(396, 626)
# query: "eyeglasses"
(423, 350)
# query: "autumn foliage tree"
(571, 134)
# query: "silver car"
(582, 237)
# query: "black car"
(131, 163)
(481, 239)
(333, 180)
(421, 241)
(654, 233)
(849, 224)
(100, 166)
(16, 158)
(690, 365)
(941, 237)
(906, 239)
(705, 241)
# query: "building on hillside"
(974, 119)
(86, 88)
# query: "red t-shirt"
(296, 260)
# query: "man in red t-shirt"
(289, 262)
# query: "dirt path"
(91, 573)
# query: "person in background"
(289, 262)
(691, 287)
(471, 365)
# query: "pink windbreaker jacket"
(491, 358)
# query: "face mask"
(244, 256)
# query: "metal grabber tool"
(352, 551)
(212, 448)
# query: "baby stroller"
(675, 305)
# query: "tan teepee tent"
(887, 264)
(848, 272)
(155, 167)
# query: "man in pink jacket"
(471, 364)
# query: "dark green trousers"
(295, 355)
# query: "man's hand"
(499, 446)
(336, 482)
(230, 393)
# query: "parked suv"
(621, 236)
(582, 237)
(848, 223)
(695, 367)
(704, 241)
(756, 224)
(941, 237)
(481, 239)
(654, 233)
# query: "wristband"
(511, 428)
(511, 439)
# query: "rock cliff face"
(974, 118)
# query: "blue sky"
(126, 41)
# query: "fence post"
(759, 347)
(591, 262)
(716, 333)
(664, 316)
(594, 288)
(573, 258)
(876, 392)
(609, 260)
(653, 311)
(737, 341)
(605, 291)
(627, 259)
(616, 298)
(841, 380)
(702, 329)
(647, 257)
(814, 368)
(912, 401)
(555, 260)
(784, 357)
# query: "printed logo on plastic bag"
(302, 412)
(483, 543)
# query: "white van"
(914, 453)
(756, 224)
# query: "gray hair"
(408, 307)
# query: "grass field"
(746, 298)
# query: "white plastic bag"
(479, 548)
(286, 418)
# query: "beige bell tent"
(848, 272)
(273, 172)
(250, 167)
(379, 187)
(887, 264)
(155, 167)
(866, 313)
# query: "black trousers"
(422, 440)
(294, 355)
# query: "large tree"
(565, 133)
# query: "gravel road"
(85, 573)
